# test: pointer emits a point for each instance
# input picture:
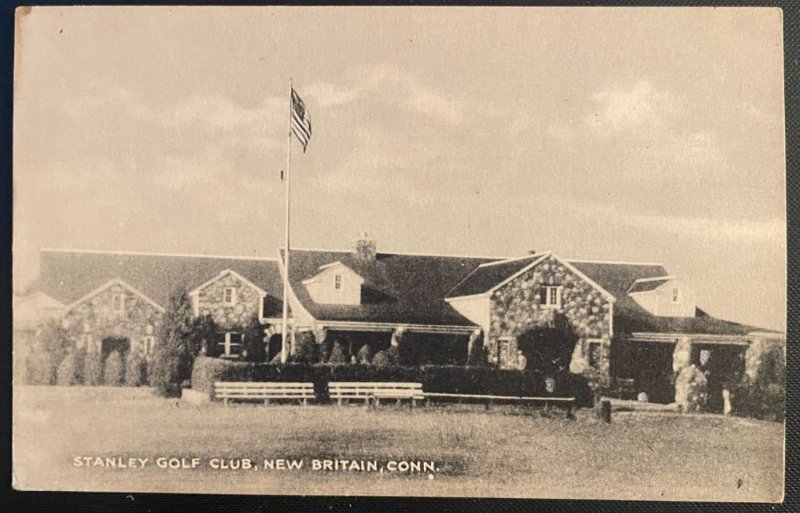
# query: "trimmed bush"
(434, 378)
(40, 369)
(67, 371)
(338, 355)
(365, 354)
(114, 372)
(92, 369)
(135, 370)
(306, 348)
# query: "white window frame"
(85, 341)
(228, 345)
(121, 299)
(550, 291)
(233, 296)
(149, 342)
(337, 281)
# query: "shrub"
(306, 348)
(254, 347)
(365, 354)
(434, 378)
(67, 371)
(92, 369)
(177, 347)
(338, 355)
(381, 359)
(478, 356)
(39, 368)
(761, 391)
(114, 373)
(135, 370)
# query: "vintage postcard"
(400, 251)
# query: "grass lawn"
(504, 452)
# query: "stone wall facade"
(211, 301)
(516, 307)
(89, 322)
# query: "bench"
(567, 402)
(347, 390)
(264, 391)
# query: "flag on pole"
(301, 120)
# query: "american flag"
(301, 120)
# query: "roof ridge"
(515, 259)
(611, 262)
(401, 253)
(145, 253)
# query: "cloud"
(620, 108)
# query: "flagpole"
(284, 337)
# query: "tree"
(254, 348)
(66, 374)
(478, 356)
(365, 354)
(175, 352)
(306, 348)
(50, 347)
(114, 372)
(135, 370)
(338, 355)
(205, 331)
(92, 369)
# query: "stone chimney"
(366, 248)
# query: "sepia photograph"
(466, 252)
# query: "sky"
(622, 134)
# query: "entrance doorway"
(110, 344)
(722, 365)
(653, 371)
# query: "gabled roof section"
(648, 284)
(618, 277)
(489, 275)
(224, 273)
(111, 283)
(67, 275)
(418, 285)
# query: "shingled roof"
(67, 275)
(419, 284)
(489, 275)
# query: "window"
(85, 341)
(229, 344)
(149, 344)
(230, 295)
(337, 281)
(550, 297)
(595, 346)
(119, 302)
(676, 297)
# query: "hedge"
(434, 378)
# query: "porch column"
(397, 335)
(320, 333)
(473, 337)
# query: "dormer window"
(119, 303)
(337, 281)
(230, 296)
(550, 297)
